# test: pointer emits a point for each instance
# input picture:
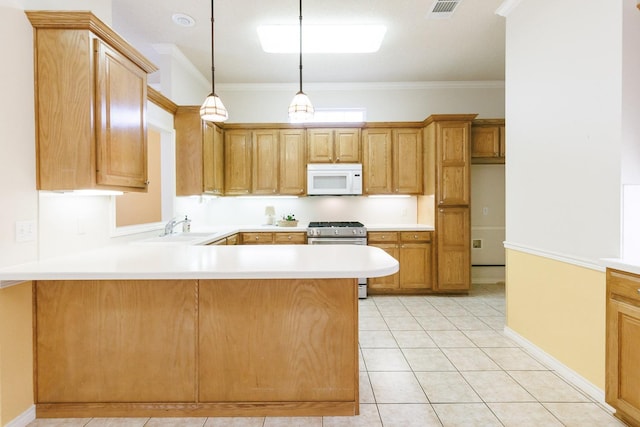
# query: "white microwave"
(339, 179)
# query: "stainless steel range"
(339, 233)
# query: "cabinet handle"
(638, 291)
(415, 236)
(147, 182)
(289, 237)
(441, 202)
(257, 238)
(337, 159)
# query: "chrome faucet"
(171, 225)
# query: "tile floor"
(431, 361)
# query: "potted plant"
(288, 221)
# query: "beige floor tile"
(453, 310)
(176, 422)
(366, 392)
(582, 415)
(368, 310)
(393, 310)
(292, 422)
(470, 359)
(384, 359)
(426, 310)
(451, 339)
(513, 359)
(466, 415)
(547, 386)
(427, 359)
(396, 387)
(468, 323)
(59, 422)
(403, 323)
(368, 417)
(372, 324)
(412, 415)
(361, 366)
(413, 339)
(489, 339)
(446, 387)
(117, 422)
(377, 339)
(496, 386)
(235, 422)
(496, 323)
(524, 415)
(433, 323)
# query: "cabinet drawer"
(382, 236)
(257, 238)
(290, 238)
(232, 240)
(415, 236)
(624, 284)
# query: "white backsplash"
(207, 211)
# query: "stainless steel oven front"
(362, 281)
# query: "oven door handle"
(336, 241)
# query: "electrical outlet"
(26, 231)
(485, 211)
(476, 243)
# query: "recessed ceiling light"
(321, 38)
(183, 20)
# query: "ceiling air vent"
(443, 9)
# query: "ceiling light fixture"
(300, 109)
(213, 110)
(183, 20)
(353, 38)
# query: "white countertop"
(630, 265)
(185, 261)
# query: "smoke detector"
(442, 9)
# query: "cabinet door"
(293, 176)
(213, 159)
(415, 264)
(320, 143)
(121, 126)
(347, 145)
(453, 163)
(298, 238)
(387, 282)
(193, 142)
(257, 238)
(407, 161)
(453, 250)
(237, 162)
(485, 141)
(503, 142)
(265, 162)
(377, 162)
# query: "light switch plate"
(26, 231)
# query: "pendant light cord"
(300, 46)
(213, 67)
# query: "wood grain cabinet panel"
(297, 238)
(306, 352)
(377, 165)
(91, 97)
(265, 160)
(453, 249)
(488, 143)
(237, 162)
(102, 341)
(622, 388)
(339, 145)
(292, 166)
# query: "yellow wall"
(560, 308)
(16, 352)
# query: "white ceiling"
(469, 46)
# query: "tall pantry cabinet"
(447, 142)
(90, 99)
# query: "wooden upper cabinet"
(293, 176)
(340, 145)
(199, 154)
(377, 165)
(265, 161)
(90, 100)
(237, 162)
(393, 161)
(488, 141)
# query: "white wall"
(563, 126)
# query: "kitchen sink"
(183, 238)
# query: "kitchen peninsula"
(182, 330)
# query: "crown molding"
(379, 86)
(507, 7)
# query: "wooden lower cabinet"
(622, 385)
(453, 249)
(277, 238)
(196, 348)
(413, 251)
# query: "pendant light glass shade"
(300, 109)
(213, 110)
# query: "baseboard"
(24, 419)
(561, 369)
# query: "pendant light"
(300, 109)
(212, 109)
